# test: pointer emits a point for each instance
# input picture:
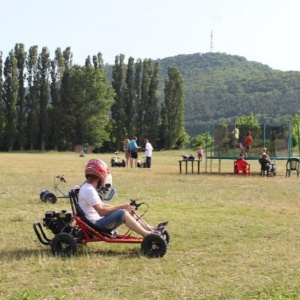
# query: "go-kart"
(117, 162)
(47, 196)
(71, 228)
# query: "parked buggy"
(117, 162)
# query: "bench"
(191, 162)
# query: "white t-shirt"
(148, 149)
(87, 198)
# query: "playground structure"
(279, 140)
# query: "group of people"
(267, 167)
(131, 150)
(246, 144)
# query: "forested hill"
(218, 85)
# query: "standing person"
(200, 153)
(236, 135)
(248, 143)
(127, 151)
(148, 153)
(134, 148)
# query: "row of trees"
(52, 104)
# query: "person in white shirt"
(104, 216)
(148, 153)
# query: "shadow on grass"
(82, 251)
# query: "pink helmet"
(97, 168)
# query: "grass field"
(232, 237)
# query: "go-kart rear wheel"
(112, 163)
(166, 235)
(42, 194)
(63, 244)
(154, 245)
(123, 163)
(50, 197)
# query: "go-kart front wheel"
(50, 197)
(42, 195)
(154, 245)
(63, 244)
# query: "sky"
(265, 31)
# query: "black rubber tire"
(50, 197)
(42, 194)
(112, 163)
(123, 163)
(167, 236)
(63, 244)
(154, 245)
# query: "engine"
(58, 221)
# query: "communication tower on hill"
(211, 42)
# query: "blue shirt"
(133, 146)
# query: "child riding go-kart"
(71, 228)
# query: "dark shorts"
(134, 155)
(112, 221)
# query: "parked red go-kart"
(71, 228)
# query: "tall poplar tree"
(130, 99)
(142, 103)
(98, 61)
(137, 88)
(10, 97)
(117, 110)
(21, 104)
(151, 117)
(2, 121)
(173, 109)
(32, 98)
(56, 117)
(147, 110)
(44, 71)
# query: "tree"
(152, 113)
(56, 117)
(130, 99)
(10, 96)
(21, 104)
(173, 109)
(2, 119)
(88, 62)
(118, 108)
(296, 130)
(32, 99)
(44, 71)
(98, 61)
(86, 98)
(147, 114)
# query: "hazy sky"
(266, 31)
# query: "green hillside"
(219, 85)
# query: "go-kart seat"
(79, 212)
